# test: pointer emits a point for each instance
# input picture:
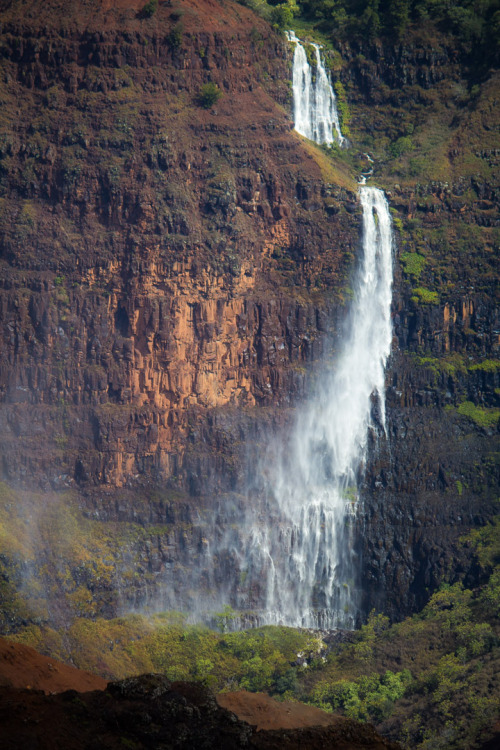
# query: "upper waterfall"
(314, 103)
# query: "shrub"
(343, 108)
(481, 416)
(450, 606)
(311, 56)
(425, 296)
(487, 365)
(402, 146)
(208, 95)
(149, 9)
(371, 697)
(174, 38)
(282, 16)
(413, 264)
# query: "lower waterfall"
(301, 557)
(283, 552)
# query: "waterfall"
(283, 552)
(314, 103)
(305, 552)
(301, 557)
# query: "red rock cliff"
(157, 257)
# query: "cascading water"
(314, 103)
(315, 484)
(284, 552)
(301, 556)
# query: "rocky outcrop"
(151, 712)
(434, 478)
(375, 65)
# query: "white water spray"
(314, 103)
(302, 555)
(305, 552)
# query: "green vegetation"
(370, 698)
(343, 108)
(458, 367)
(402, 145)
(261, 7)
(476, 26)
(446, 688)
(174, 38)
(208, 95)
(282, 15)
(482, 416)
(424, 296)
(431, 681)
(259, 659)
(413, 264)
(450, 365)
(149, 9)
(311, 57)
(487, 365)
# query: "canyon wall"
(159, 259)
(172, 276)
(435, 114)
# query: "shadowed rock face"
(151, 712)
(171, 277)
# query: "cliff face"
(433, 131)
(157, 257)
(170, 275)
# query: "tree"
(282, 15)
(370, 20)
(398, 13)
(174, 38)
